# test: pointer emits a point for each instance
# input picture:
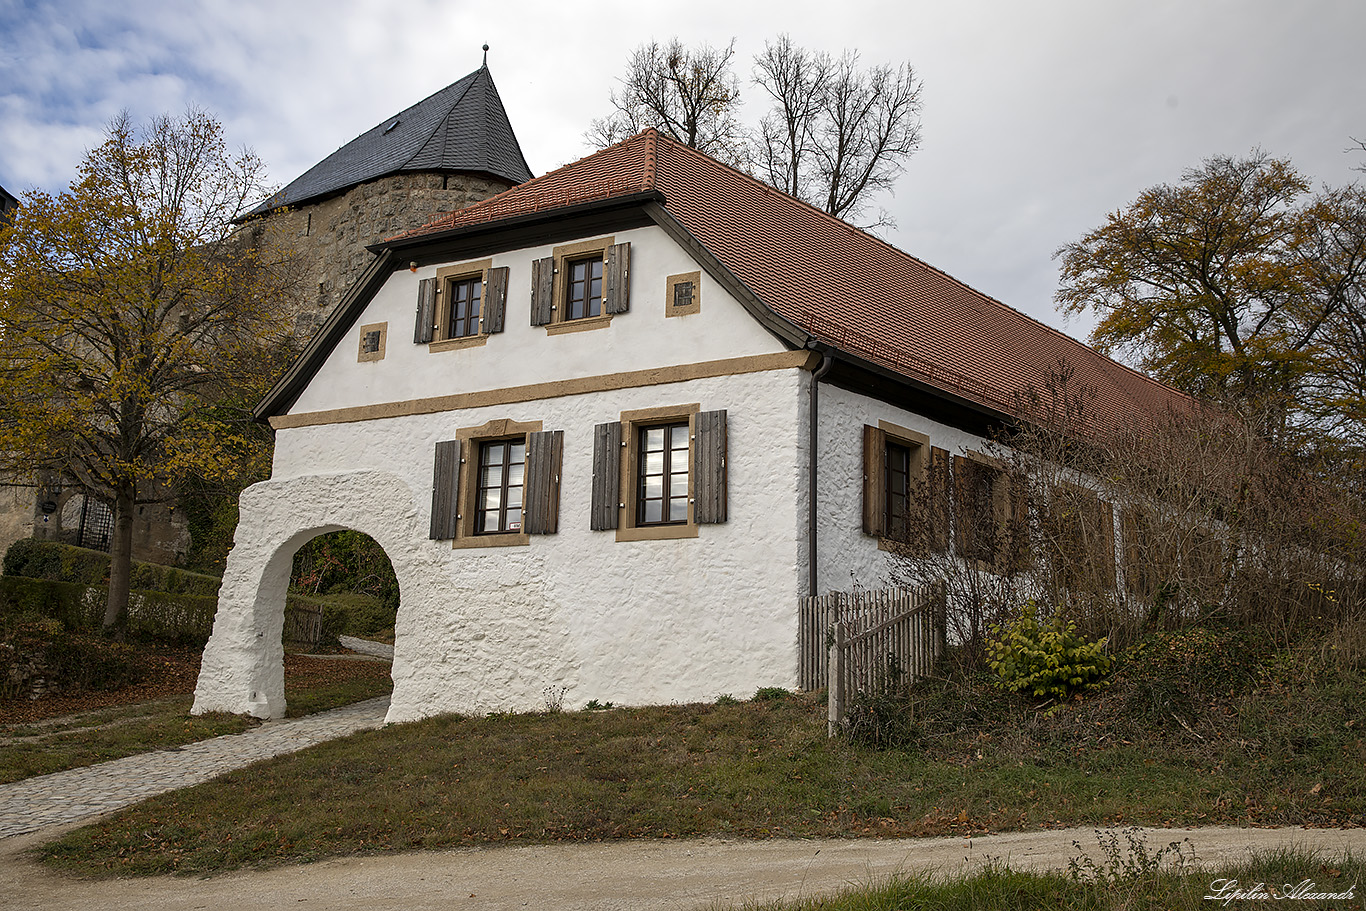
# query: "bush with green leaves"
(1045, 659)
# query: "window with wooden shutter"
(425, 323)
(1077, 537)
(445, 484)
(606, 505)
(991, 514)
(665, 452)
(710, 505)
(617, 294)
(897, 489)
(544, 456)
(542, 291)
(581, 285)
(495, 299)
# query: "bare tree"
(837, 134)
(689, 95)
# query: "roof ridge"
(821, 213)
(651, 158)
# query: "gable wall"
(523, 354)
(632, 622)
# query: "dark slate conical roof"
(463, 127)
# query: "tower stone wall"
(329, 236)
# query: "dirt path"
(649, 875)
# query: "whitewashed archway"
(243, 666)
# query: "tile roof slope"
(842, 285)
(463, 127)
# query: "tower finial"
(486, 56)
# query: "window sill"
(578, 325)
(657, 532)
(455, 344)
(506, 539)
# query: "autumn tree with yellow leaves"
(1240, 285)
(134, 313)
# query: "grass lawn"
(37, 747)
(1279, 746)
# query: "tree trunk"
(120, 566)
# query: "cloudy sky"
(1040, 116)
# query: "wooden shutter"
(616, 296)
(445, 483)
(495, 299)
(874, 482)
(542, 291)
(709, 466)
(541, 496)
(939, 518)
(1015, 536)
(426, 311)
(605, 513)
(1106, 556)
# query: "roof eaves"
(403, 242)
(770, 319)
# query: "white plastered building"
(579, 418)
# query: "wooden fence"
(874, 640)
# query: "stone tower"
(443, 153)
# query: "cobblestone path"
(76, 794)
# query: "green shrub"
(1045, 660)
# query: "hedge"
(64, 563)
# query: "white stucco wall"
(845, 554)
(494, 628)
(524, 354)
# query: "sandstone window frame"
(1006, 551)
(366, 355)
(550, 278)
(672, 286)
(924, 502)
(616, 472)
(455, 483)
(433, 320)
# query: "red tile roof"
(843, 286)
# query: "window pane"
(493, 498)
(653, 511)
(678, 485)
(493, 452)
(515, 472)
(514, 497)
(654, 487)
(678, 437)
(491, 520)
(654, 463)
(678, 510)
(654, 439)
(492, 476)
(514, 520)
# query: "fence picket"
(887, 632)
